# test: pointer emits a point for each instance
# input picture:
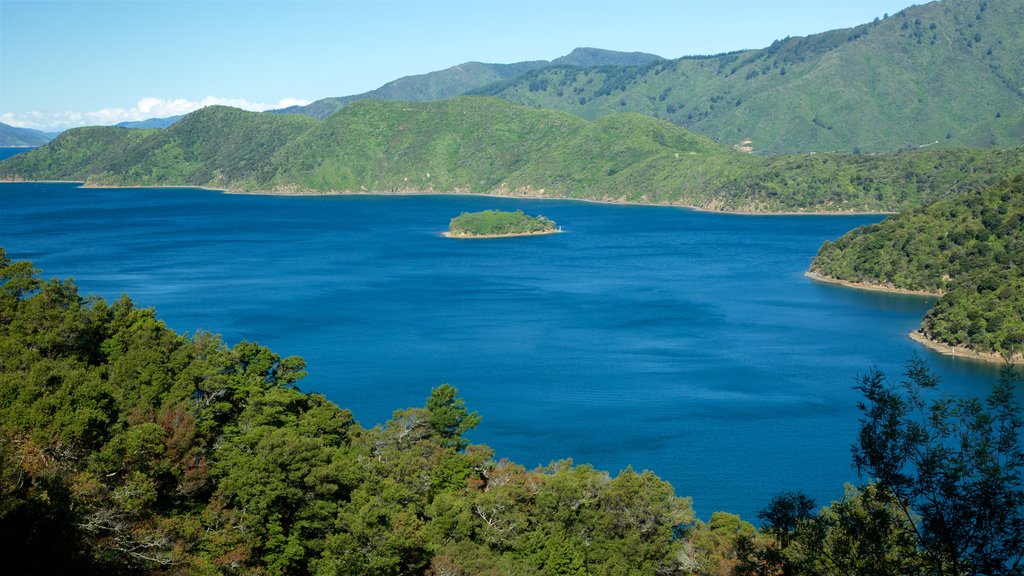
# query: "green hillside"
(486, 145)
(970, 248)
(947, 73)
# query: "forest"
(126, 448)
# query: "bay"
(683, 342)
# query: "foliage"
(126, 448)
(485, 145)
(952, 466)
(970, 248)
(498, 223)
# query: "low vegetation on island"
(969, 250)
(126, 448)
(497, 223)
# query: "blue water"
(683, 342)
(7, 152)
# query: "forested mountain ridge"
(946, 73)
(486, 145)
(970, 249)
(462, 78)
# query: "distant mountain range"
(151, 122)
(12, 137)
(488, 145)
(468, 76)
(947, 73)
(944, 74)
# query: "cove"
(684, 342)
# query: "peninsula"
(499, 224)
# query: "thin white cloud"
(144, 109)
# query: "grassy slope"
(902, 82)
(487, 145)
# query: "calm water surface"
(683, 342)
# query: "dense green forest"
(486, 145)
(969, 248)
(499, 223)
(126, 448)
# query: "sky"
(74, 63)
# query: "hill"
(969, 250)
(465, 77)
(486, 145)
(18, 137)
(591, 57)
(437, 85)
(946, 73)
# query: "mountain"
(151, 122)
(18, 137)
(946, 73)
(487, 145)
(463, 78)
(968, 249)
(437, 85)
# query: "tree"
(448, 417)
(783, 517)
(952, 466)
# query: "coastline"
(529, 194)
(485, 236)
(917, 335)
(962, 352)
(868, 286)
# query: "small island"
(499, 224)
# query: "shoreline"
(486, 236)
(870, 287)
(522, 196)
(917, 335)
(541, 196)
(962, 352)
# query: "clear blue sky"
(88, 62)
